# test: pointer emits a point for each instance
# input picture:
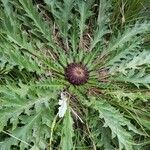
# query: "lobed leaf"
(116, 122)
(67, 132)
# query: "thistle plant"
(70, 80)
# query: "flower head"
(76, 73)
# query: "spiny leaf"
(122, 96)
(132, 59)
(136, 77)
(102, 21)
(12, 28)
(28, 132)
(50, 84)
(100, 134)
(142, 59)
(127, 52)
(66, 13)
(106, 139)
(116, 122)
(41, 25)
(14, 104)
(67, 132)
(128, 34)
(85, 13)
(8, 7)
(62, 14)
(15, 58)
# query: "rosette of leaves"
(52, 47)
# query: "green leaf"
(106, 139)
(67, 132)
(142, 59)
(129, 59)
(101, 135)
(116, 122)
(127, 52)
(8, 7)
(50, 84)
(85, 13)
(12, 28)
(23, 60)
(62, 15)
(102, 22)
(41, 25)
(128, 34)
(31, 131)
(135, 77)
(14, 102)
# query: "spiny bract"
(70, 78)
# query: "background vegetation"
(40, 109)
